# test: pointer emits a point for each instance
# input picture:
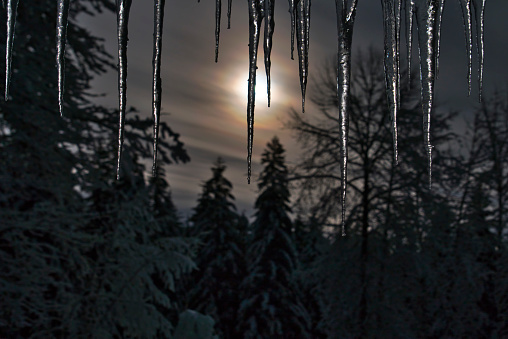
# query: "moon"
(264, 114)
(261, 85)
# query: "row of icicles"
(426, 15)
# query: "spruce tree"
(220, 258)
(271, 305)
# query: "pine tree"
(271, 305)
(220, 260)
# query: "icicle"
(426, 24)
(345, 24)
(255, 18)
(439, 20)
(391, 19)
(123, 9)
(12, 9)
(292, 15)
(302, 33)
(229, 13)
(218, 7)
(269, 27)
(61, 37)
(479, 6)
(157, 82)
(410, 8)
(466, 14)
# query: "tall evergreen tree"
(214, 287)
(271, 303)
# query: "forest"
(84, 255)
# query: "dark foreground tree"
(271, 303)
(481, 226)
(81, 255)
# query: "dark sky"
(206, 102)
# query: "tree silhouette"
(406, 267)
(213, 288)
(271, 303)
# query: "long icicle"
(410, 8)
(466, 14)
(255, 18)
(123, 9)
(157, 82)
(292, 17)
(61, 37)
(426, 23)
(268, 35)
(391, 19)
(302, 34)
(345, 24)
(439, 20)
(12, 9)
(479, 6)
(229, 13)
(218, 8)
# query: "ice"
(392, 13)
(12, 8)
(123, 9)
(218, 7)
(479, 9)
(466, 14)
(268, 35)
(478, 6)
(410, 8)
(255, 18)
(292, 16)
(302, 41)
(61, 37)
(426, 15)
(157, 82)
(427, 24)
(345, 24)
(439, 20)
(229, 13)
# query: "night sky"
(206, 101)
